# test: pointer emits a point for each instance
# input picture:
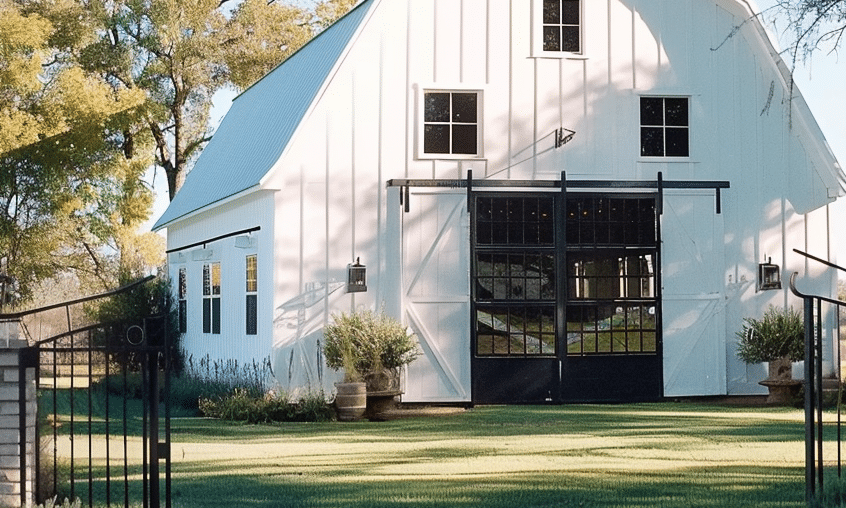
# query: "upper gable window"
(664, 127)
(451, 124)
(557, 27)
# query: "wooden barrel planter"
(350, 401)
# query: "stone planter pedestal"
(380, 404)
(783, 388)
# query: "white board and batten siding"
(362, 133)
(326, 204)
(232, 343)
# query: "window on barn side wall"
(664, 127)
(211, 298)
(182, 298)
(557, 27)
(252, 295)
(451, 124)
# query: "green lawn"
(650, 455)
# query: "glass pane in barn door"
(514, 298)
(611, 299)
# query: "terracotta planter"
(350, 401)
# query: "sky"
(821, 81)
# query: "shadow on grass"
(695, 487)
(642, 455)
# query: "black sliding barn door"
(565, 302)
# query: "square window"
(464, 108)
(437, 107)
(451, 127)
(464, 139)
(664, 127)
(558, 26)
(436, 139)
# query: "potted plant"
(779, 339)
(369, 347)
(351, 393)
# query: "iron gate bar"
(18, 315)
(70, 353)
(814, 437)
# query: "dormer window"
(557, 27)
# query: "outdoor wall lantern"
(769, 276)
(356, 277)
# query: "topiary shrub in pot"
(370, 347)
(779, 339)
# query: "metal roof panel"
(261, 122)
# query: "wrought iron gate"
(822, 317)
(104, 416)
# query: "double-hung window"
(252, 295)
(211, 298)
(664, 127)
(557, 27)
(451, 124)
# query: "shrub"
(366, 342)
(53, 503)
(203, 379)
(241, 406)
(151, 301)
(218, 378)
(779, 333)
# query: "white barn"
(566, 200)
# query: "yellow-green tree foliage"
(59, 154)
(94, 93)
(180, 52)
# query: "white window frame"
(537, 33)
(421, 123)
(690, 133)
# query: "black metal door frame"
(561, 377)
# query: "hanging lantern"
(769, 276)
(356, 277)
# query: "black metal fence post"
(809, 400)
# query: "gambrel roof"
(262, 120)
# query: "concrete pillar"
(10, 419)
